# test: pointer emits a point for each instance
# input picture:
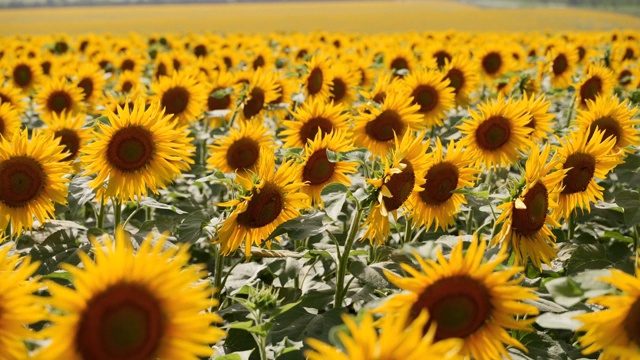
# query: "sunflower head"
(597, 80)
(181, 96)
(318, 81)
(58, 96)
(9, 120)
(431, 91)
(242, 149)
(312, 117)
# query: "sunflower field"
(441, 195)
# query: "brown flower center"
(560, 64)
(459, 305)
(214, 103)
(624, 78)
(631, 323)
(400, 186)
(161, 70)
(86, 85)
(318, 169)
(255, 104)
(590, 89)
(442, 180)
(442, 57)
(609, 125)
(59, 101)
(21, 180)
(493, 133)
(200, 51)
(582, 167)
(309, 129)
(456, 79)
(315, 80)
(263, 208)
(339, 90)
(379, 97)
(123, 322)
(69, 138)
(130, 149)
(383, 127)
(258, 62)
(528, 221)
(22, 75)
(175, 100)
(581, 53)
(127, 65)
(492, 62)
(426, 96)
(127, 86)
(399, 63)
(243, 154)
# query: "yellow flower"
(9, 120)
(312, 117)
(431, 91)
(182, 97)
(242, 149)
(57, 96)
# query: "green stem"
(117, 212)
(636, 238)
(571, 224)
(100, 219)
(217, 276)
(470, 222)
(124, 224)
(570, 113)
(343, 260)
(407, 232)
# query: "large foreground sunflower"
(437, 204)
(140, 150)
(270, 198)
(314, 116)
(241, 150)
(148, 304)
(588, 158)
(498, 131)
(614, 330)
(529, 217)
(20, 307)
(466, 299)
(391, 339)
(33, 176)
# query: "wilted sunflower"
(389, 339)
(403, 174)
(318, 171)
(431, 91)
(57, 96)
(614, 117)
(312, 117)
(10, 94)
(437, 204)
(270, 198)
(9, 120)
(529, 217)
(241, 150)
(318, 81)
(181, 96)
(262, 90)
(463, 78)
(20, 307)
(375, 128)
(615, 329)
(33, 176)
(120, 310)
(466, 299)
(498, 131)
(588, 157)
(597, 80)
(139, 150)
(540, 119)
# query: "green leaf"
(587, 256)
(332, 156)
(563, 321)
(564, 291)
(241, 355)
(629, 200)
(369, 274)
(153, 203)
(298, 325)
(192, 227)
(301, 227)
(52, 255)
(334, 196)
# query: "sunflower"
(344, 82)
(129, 82)
(598, 80)
(58, 96)
(466, 299)
(626, 74)
(242, 149)
(119, 309)
(494, 60)
(24, 73)
(90, 78)
(181, 96)
(403, 174)
(318, 81)
(588, 157)
(393, 340)
(318, 171)
(163, 66)
(498, 130)
(10, 94)
(375, 128)
(19, 305)
(431, 91)
(463, 78)
(262, 90)
(562, 63)
(383, 84)
(33, 176)
(131, 61)
(140, 149)
(401, 61)
(69, 129)
(614, 118)
(9, 120)
(437, 204)
(540, 119)
(527, 219)
(312, 117)
(615, 329)
(270, 198)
